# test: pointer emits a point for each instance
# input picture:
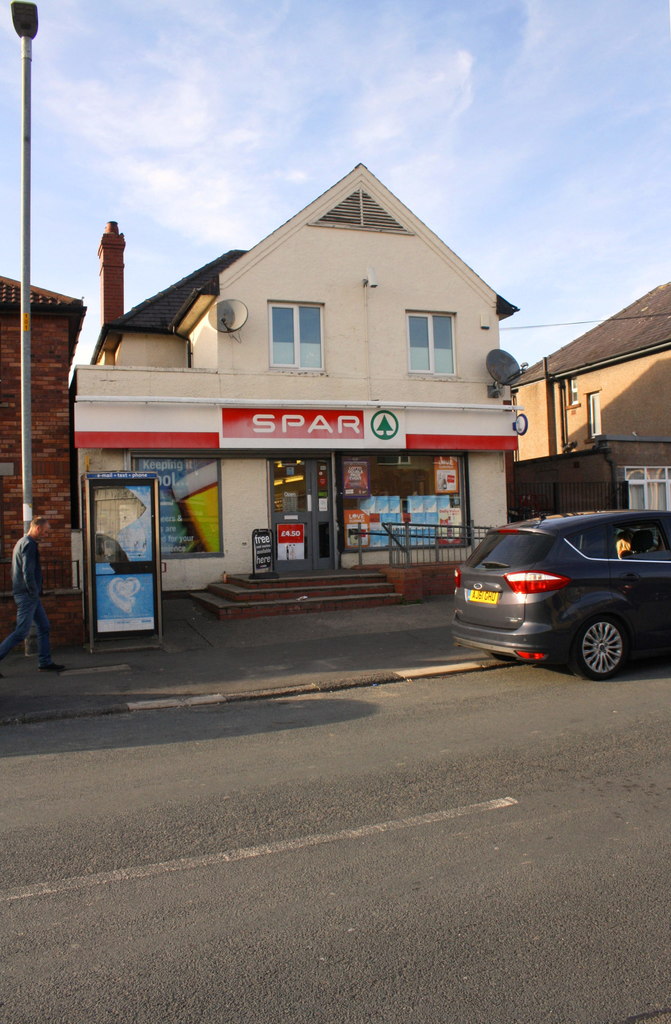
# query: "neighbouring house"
(326, 383)
(56, 321)
(599, 424)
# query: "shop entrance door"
(302, 514)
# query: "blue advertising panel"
(124, 571)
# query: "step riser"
(283, 594)
(251, 611)
(297, 580)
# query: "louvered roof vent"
(361, 211)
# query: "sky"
(532, 136)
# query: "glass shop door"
(302, 514)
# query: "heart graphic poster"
(125, 602)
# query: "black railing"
(543, 497)
(63, 575)
(420, 543)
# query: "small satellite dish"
(502, 367)
(231, 315)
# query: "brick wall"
(64, 608)
(420, 581)
(50, 417)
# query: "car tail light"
(535, 582)
(457, 578)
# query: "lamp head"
(24, 18)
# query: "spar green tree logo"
(384, 425)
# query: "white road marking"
(231, 856)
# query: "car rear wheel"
(599, 650)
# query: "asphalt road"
(491, 847)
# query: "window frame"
(594, 414)
(296, 307)
(430, 317)
(573, 393)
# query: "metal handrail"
(422, 543)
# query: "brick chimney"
(110, 254)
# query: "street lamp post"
(24, 18)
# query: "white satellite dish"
(231, 315)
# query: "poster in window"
(189, 499)
(357, 528)
(446, 470)
(290, 542)
(356, 478)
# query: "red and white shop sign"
(290, 541)
(273, 425)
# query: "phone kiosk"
(123, 556)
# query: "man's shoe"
(53, 667)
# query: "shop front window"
(189, 504)
(382, 493)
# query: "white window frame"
(573, 393)
(296, 364)
(646, 484)
(594, 413)
(429, 317)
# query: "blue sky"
(533, 137)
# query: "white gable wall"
(364, 328)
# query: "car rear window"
(504, 548)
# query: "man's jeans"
(29, 609)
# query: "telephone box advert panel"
(123, 554)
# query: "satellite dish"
(231, 315)
(502, 367)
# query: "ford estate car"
(587, 590)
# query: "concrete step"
(224, 609)
(232, 592)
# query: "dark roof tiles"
(644, 324)
(158, 312)
(10, 295)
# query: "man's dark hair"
(38, 521)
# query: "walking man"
(27, 588)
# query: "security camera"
(371, 279)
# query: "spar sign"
(265, 427)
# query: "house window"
(430, 343)
(594, 402)
(573, 397)
(296, 337)
(649, 486)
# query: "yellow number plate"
(483, 596)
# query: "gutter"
(277, 403)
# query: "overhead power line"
(578, 323)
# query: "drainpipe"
(551, 407)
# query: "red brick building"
(56, 323)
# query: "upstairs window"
(296, 337)
(573, 396)
(430, 343)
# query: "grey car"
(587, 590)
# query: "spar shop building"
(328, 381)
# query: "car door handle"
(629, 577)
